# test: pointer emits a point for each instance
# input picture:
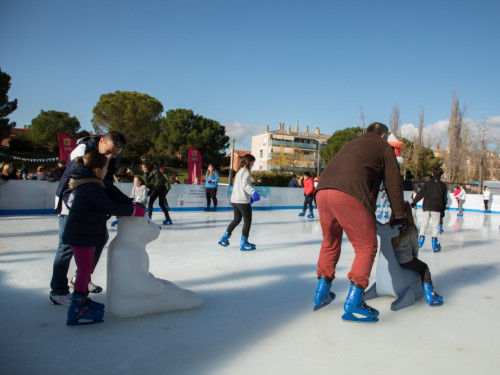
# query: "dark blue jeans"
(62, 260)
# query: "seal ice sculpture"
(391, 279)
(131, 289)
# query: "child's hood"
(80, 175)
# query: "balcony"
(309, 146)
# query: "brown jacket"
(359, 168)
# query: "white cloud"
(242, 133)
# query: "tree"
(6, 107)
(289, 161)
(394, 121)
(44, 128)
(133, 114)
(337, 140)
(456, 129)
(181, 128)
(426, 162)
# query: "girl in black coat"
(86, 228)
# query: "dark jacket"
(91, 207)
(155, 180)
(83, 146)
(435, 195)
(55, 174)
(359, 168)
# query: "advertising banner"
(66, 144)
(194, 166)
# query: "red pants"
(84, 259)
(339, 212)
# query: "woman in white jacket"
(461, 200)
(242, 196)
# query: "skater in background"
(242, 197)
(435, 196)
(211, 184)
(406, 249)
(138, 194)
(156, 185)
(308, 195)
(86, 228)
(110, 145)
(384, 203)
(486, 198)
(347, 201)
(461, 200)
(293, 182)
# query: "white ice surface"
(257, 314)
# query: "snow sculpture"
(391, 279)
(131, 289)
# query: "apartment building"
(287, 150)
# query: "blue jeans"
(62, 260)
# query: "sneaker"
(92, 287)
(64, 300)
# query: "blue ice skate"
(355, 304)
(310, 216)
(167, 221)
(440, 230)
(224, 241)
(323, 295)
(379, 216)
(213, 209)
(421, 240)
(436, 246)
(206, 209)
(245, 245)
(80, 312)
(432, 298)
(386, 215)
(302, 213)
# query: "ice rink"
(257, 314)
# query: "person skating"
(406, 249)
(435, 195)
(110, 145)
(241, 198)
(308, 195)
(86, 228)
(346, 201)
(211, 184)
(156, 184)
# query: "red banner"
(66, 144)
(194, 166)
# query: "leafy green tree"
(337, 140)
(44, 128)
(181, 128)
(133, 114)
(6, 107)
(418, 159)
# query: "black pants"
(486, 201)
(162, 195)
(211, 195)
(308, 201)
(241, 210)
(420, 267)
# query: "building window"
(265, 140)
(261, 153)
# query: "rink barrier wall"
(24, 197)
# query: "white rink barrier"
(20, 197)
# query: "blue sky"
(248, 64)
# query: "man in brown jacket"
(346, 198)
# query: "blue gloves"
(255, 197)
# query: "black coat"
(435, 195)
(91, 206)
(83, 146)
